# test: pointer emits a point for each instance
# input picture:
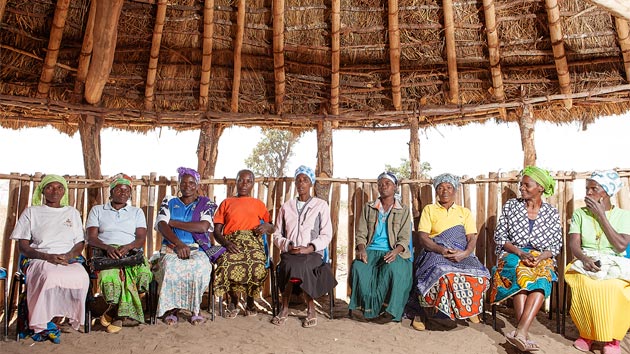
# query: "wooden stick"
(482, 241)
(451, 53)
(156, 43)
(394, 53)
(526, 123)
(56, 33)
(491, 219)
(278, 53)
(206, 62)
(334, 215)
(238, 47)
(86, 50)
(493, 49)
(335, 42)
(557, 43)
(11, 218)
(623, 36)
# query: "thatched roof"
(356, 62)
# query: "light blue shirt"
(116, 227)
(380, 241)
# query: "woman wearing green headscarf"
(528, 236)
(50, 237)
(114, 229)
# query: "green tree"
(271, 155)
(403, 171)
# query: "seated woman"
(600, 275)
(448, 276)
(528, 236)
(381, 272)
(239, 224)
(50, 237)
(303, 233)
(183, 269)
(114, 229)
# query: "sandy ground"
(340, 335)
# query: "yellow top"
(435, 219)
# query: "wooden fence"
(484, 195)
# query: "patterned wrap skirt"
(510, 277)
(242, 272)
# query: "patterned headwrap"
(389, 175)
(307, 171)
(448, 178)
(120, 178)
(609, 180)
(37, 194)
(182, 171)
(542, 177)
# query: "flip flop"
(114, 327)
(309, 322)
(231, 312)
(197, 320)
(279, 321)
(170, 319)
(521, 343)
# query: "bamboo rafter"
(156, 43)
(206, 62)
(394, 53)
(493, 49)
(238, 47)
(557, 42)
(86, 50)
(623, 36)
(278, 53)
(56, 33)
(335, 55)
(451, 53)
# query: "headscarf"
(182, 171)
(448, 178)
(46, 180)
(118, 179)
(389, 175)
(609, 180)
(542, 177)
(307, 171)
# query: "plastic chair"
(4, 277)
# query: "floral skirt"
(511, 277)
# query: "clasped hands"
(529, 260)
(389, 257)
(454, 255)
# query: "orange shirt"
(240, 213)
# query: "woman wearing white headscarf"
(600, 275)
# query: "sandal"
(231, 312)
(612, 347)
(170, 319)
(106, 320)
(309, 322)
(197, 319)
(114, 327)
(521, 343)
(279, 321)
(583, 344)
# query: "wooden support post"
(482, 241)
(335, 39)
(278, 53)
(208, 152)
(335, 202)
(324, 159)
(157, 239)
(623, 36)
(451, 53)
(12, 216)
(238, 47)
(86, 51)
(491, 218)
(557, 43)
(56, 33)
(414, 160)
(153, 202)
(206, 62)
(105, 36)
(156, 43)
(394, 53)
(90, 132)
(526, 124)
(493, 50)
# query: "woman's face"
(445, 193)
(529, 188)
(386, 188)
(594, 190)
(53, 192)
(244, 184)
(303, 184)
(188, 186)
(121, 194)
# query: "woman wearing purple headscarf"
(183, 270)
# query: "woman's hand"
(454, 255)
(183, 252)
(265, 228)
(589, 264)
(391, 255)
(361, 254)
(124, 249)
(112, 252)
(231, 247)
(301, 249)
(527, 259)
(595, 206)
(57, 259)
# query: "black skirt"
(317, 277)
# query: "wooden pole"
(90, 132)
(334, 215)
(414, 160)
(156, 43)
(278, 53)
(206, 62)
(105, 36)
(208, 153)
(493, 49)
(623, 36)
(9, 225)
(394, 53)
(557, 43)
(491, 218)
(86, 51)
(482, 241)
(324, 159)
(451, 54)
(56, 33)
(335, 39)
(526, 124)
(3, 5)
(238, 47)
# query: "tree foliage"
(403, 171)
(272, 153)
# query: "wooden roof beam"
(56, 33)
(336, 56)
(451, 54)
(557, 43)
(238, 47)
(86, 51)
(156, 43)
(206, 62)
(394, 53)
(3, 6)
(105, 35)
(493, 50)
(278, 53)
(623, 35)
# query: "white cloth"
(116, 227)
(51, 230)
(612, 267)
